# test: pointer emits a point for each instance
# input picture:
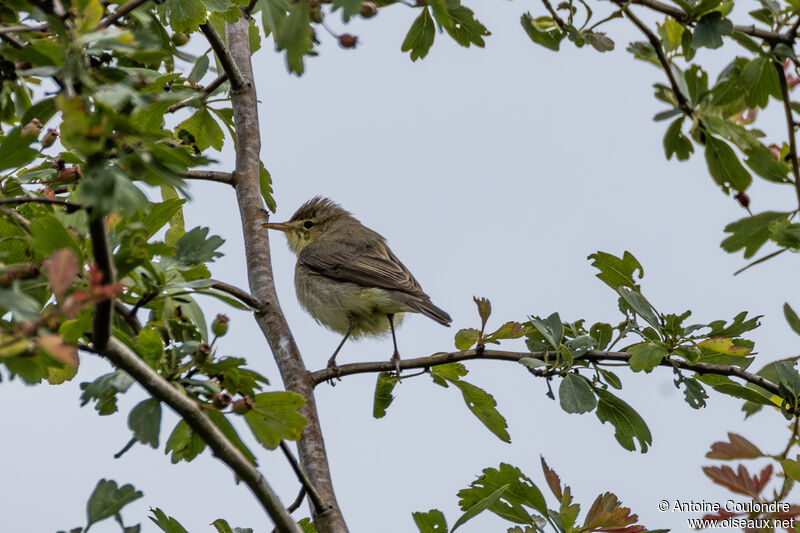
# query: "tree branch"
(205, 93)
(224, 55)
(163, 390)
(308, 487)
(24, 29)
(71, 207)
(310, 447)
(210, 175)
(790, 126)
(121, 11)
(596, 356)
(130, 318)
(655, 42)
(101, 320)
(237, 293)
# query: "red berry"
(348, 41)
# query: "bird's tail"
(427, 308)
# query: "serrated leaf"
(184, 443)
(205, 130)
(521, 493)
(479, 507)
(737, 447)
(617, 272)
(185, 15)
(275, 417)
(107, 500)
(710, 29)
(751, 232)
(420, 36)
(466, 338)
(676, 143)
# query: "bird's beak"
(276, 225)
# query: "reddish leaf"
(606, 514)
(55, 346)
(62, 269)
(738, 448)
(553, 481)
(739, 482)
(484, 309)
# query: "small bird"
(347, 278)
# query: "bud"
(202, 353)
(368, 10)
(242, 405)
(220, 325)
(221, 400)
(69, 175)
(32, 128)
(775, 150)
(49, 137)
(347, 41)
(743, 199)
(58, 164)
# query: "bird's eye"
(307, 224)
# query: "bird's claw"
(337, 373)
(396, 360)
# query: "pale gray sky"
(491, 172)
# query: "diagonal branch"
(308, 487)
(224, 55)
(121, 11)
(311, 446)
(595, 356)
(204, 93)
(163, 390)
(790, 126)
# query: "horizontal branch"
(35, 200)
(224, 56)
(161, 389)
(210, 175)
(24, 29)
(595, 356)
(119, 13)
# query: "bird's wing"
(369, 264)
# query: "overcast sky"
(491, 172)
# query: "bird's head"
(311, 221)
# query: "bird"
(347, 277)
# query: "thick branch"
(210, 175)
(596, 356)
(310, 447)
(224, 55)
(205, 93)
(119, 13)
(194, 416)
(790, 126)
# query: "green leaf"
(759, 79)
(551, 329)
(193, 248)
(294, 35)
(710, 29)
(431, 522)
(616, 272)
(791, 318)
(646, 356)
(49, 235)
(761, 161)
(160, 214)
(791, 469)
(641, 306)
(108, 500)
(167, 523)
(479, 507)
(724, 166)
(480, 402)
(383, 393)
(204, 129)
(670, 32)
(627, 422)
(145, 422)
(185, 15)
(21, 305)
(349, 8)
(420, 36)
(184, 443)
(543, 31)
(465, 28)
(15, 149)
(676, 143)
(275, 418)
(576, 395)
(224, 425)
(751, 232)
(466, 338)
(265, 184)
(602, 334)
(521, 492)
(104, 390)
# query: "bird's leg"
(396, 355)
(332, 361)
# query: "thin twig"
(790, 126)
(760, 260)
(321, 376)
(683, 103)
(303, 478)
(121, 11)
(24, 29)
(224, 56)
(237, 293)
(130, 318)
(210, 175)
(124, 359)
(297, 501)
(71, 207)
(204, 93)
(554, 14)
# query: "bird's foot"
(337, 373)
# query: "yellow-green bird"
(347, 278)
